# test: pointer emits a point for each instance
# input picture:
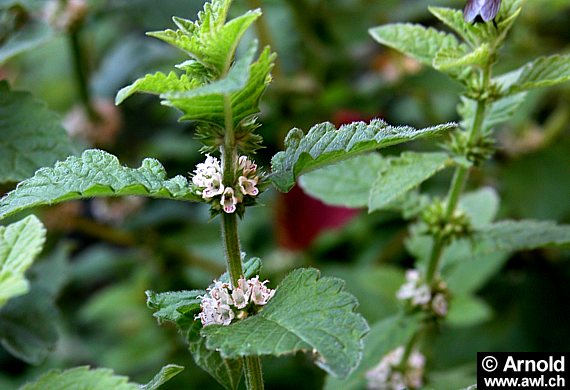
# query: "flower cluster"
(419, 294)
(208, 178)
(222, 303)
(393, 374)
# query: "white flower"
(213, 186)
(241, 294)
(386, 375)
(229, 201)
(247, 166)
(439, 305)
(260, 294)
(422, 295)
(248, 186)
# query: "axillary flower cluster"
(208, 180)
(391, 374)
(419, 294)
(223, 303)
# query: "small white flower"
(248, 186)
(439, 305)
(422, 295)
(247, 166)
(213, 186)
(260, 294)
(229, 201)
(385, 376)
(241, 294)
(413, 275)
(406, 291)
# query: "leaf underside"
(307, 313)
(95, 174)
(324, 145)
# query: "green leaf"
(28, 326)
(157, 83)
(30, 36)
(453, 61)
(512, 236)
(468, 310)
(81, 378)
(500, 110)
(346, 183)
(166, 373)
(481, 206)
(175, 306)
(20, 243)
(542, 72)
(96, 173)
(404, 173)
(417, 41)
(210, 40)
(325, 145)
(384, 336)
(308, 314)
(227, 372)
(32, 136)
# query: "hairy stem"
(252, 364)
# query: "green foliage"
(31, 135)
(540, 73)
(384, 336)
(308, 314)
(324, 145)
(95, 173)
(20, 243)
(28, 37)
(402, 174)
(212, 91)
(97, 379)
(468, 310)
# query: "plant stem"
(433, 264)
(252, 364)
(80, 70)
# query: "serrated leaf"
(384, 336)
(542, 72)
(512, 236)
(417, 41)
(166, 373)
(347, 183)
(157, 83)
(32, 136)
(453, 61)
(500, 110)
(402, 174)
(20, 243)
(325, 145)
(307, 313)
(95, 174)
(227, 372)
(81, 378)
(467, 310)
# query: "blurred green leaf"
(81, 377)
(467, 310)
(308, 314)
(384, 336)
(32, 136)
(30, 36)
(95, 173)
(540, 73)
(481, 206)
(404, 173)
(20, 243)
(347, 183)
(324, 145)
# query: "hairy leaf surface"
(96, 173)
(308, 314)
(32, 136)
(324, 145)
(20, 243)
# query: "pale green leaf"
(347, 183)
(453, 61)
(307, 313)
(32, 136)
(402, 174)
(28, 37)
(500, 110)
(166, 373)
(20, 243)
(81, 378)
(227, 372)
(510, 236)
(481, 206)
(95, 173)
(417, 41)
(157, 84)
(384, 336)
(467, 310)
(325, 145)
(542, 72)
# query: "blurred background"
(87, 303)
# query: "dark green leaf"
(81, 378)
(308, 314)
(32, 136)
(325, 145)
